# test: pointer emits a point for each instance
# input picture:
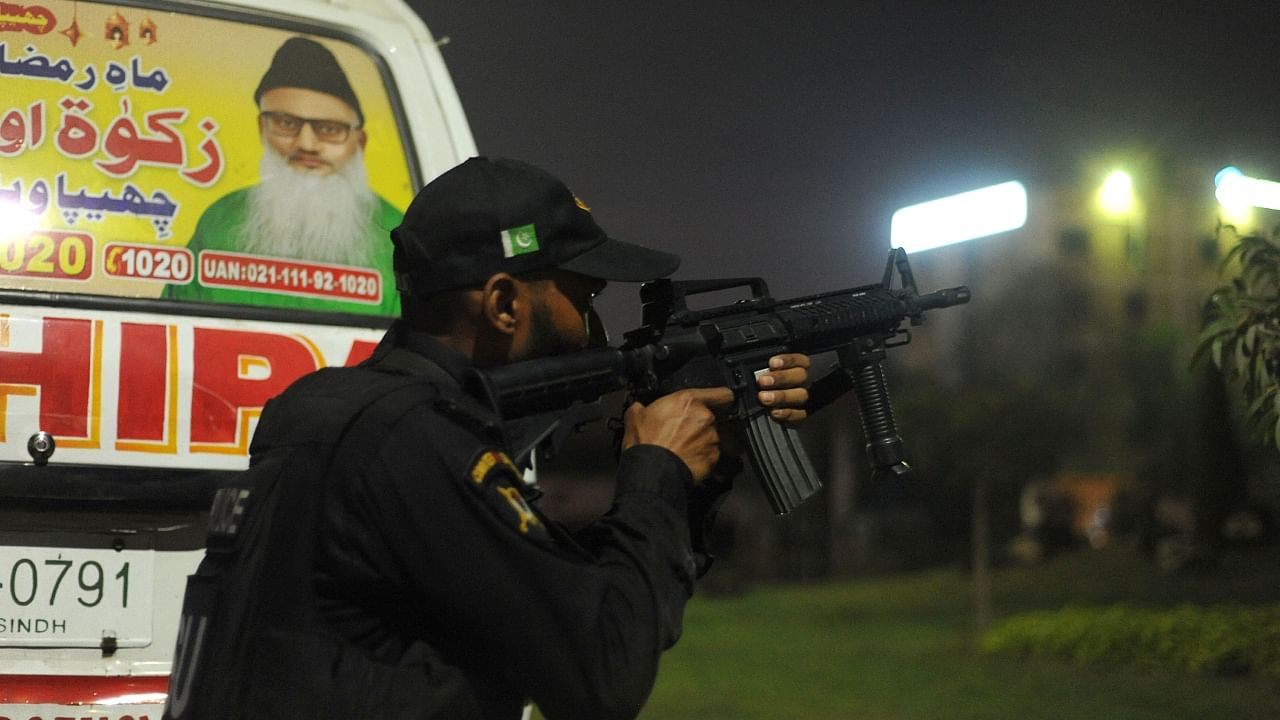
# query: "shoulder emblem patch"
(487, 462)
(496, 476)
(524, 513)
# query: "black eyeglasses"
(286, 125)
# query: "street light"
(1235, 189)
(956, 218)
(1116, 194)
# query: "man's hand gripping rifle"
(677, 348)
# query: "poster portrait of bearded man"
(313, 201)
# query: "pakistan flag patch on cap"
(519, 241)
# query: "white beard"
(325, 218)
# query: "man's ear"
(503, 302)
(361, 138)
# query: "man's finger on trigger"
(713, 397)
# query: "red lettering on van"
(144, 366)
(234, 374)
(62, 372)
(360, 351)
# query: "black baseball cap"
(495, 215)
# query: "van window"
(156, 154)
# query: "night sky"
(777, 141)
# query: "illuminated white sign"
(957, 218)
(1235, 189)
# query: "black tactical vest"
(251, 643)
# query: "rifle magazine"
(781, 463)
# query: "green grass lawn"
(901, 648)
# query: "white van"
(150, 301)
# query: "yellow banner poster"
(150, 154)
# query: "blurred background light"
(1236, 190)
(956, 218)
(1116, 194)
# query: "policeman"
(380, 558)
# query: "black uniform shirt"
(429, 554)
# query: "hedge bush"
(1226, 640)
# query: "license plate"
(75, 597)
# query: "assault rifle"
(677, 347)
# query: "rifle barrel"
(943, 298)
